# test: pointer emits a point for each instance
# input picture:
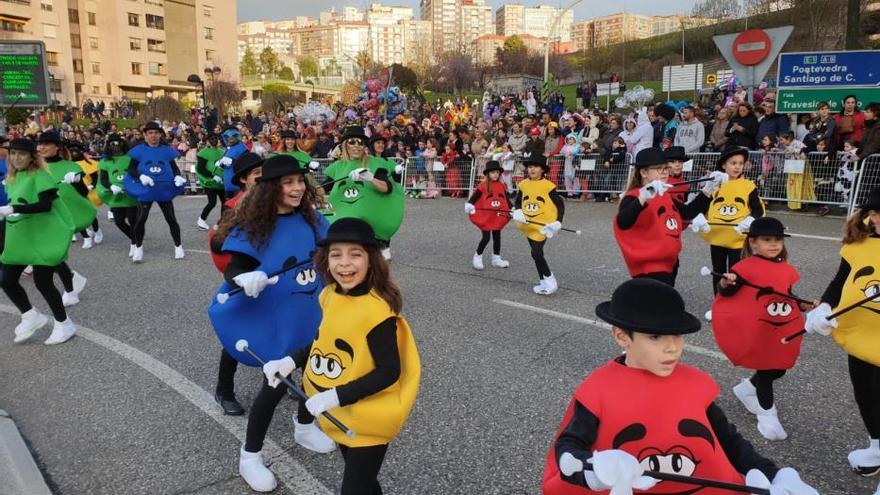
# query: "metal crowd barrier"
(868, 178)
(431, 177)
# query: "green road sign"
(24, 79)
(806, 100)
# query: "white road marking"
(201, 251)
(819, 237)
(288, 471)
(598, 324)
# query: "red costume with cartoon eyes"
(749, 325)
(678, 193)
(492, 198)
(653, 243)
(659, 420)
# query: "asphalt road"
(126, 406)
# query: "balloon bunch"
(314, 111)
(373, 95)
(635, 98)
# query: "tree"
(364, 62)
(717, 9)
(514, 44)
(249, 66)
(286, 73)
(162, 108)
(269, 63)
(223, 94)
(276, 97)
(405, 78)
(456, 72)
(308, 67)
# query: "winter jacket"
(746, 137)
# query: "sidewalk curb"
(18, 470)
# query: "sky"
(251, 10)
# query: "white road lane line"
(598, 324)
(288, 471)
(201, 251)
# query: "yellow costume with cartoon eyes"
(537, 207)
(90, 167)
(729, 205)
(858, 331)
(341, 354)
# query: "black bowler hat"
(115, 138)
(350, 230)
(354, 131)
(280, 166)
(649, 157)
(535, 159)
(245, 162)
(646, 305)
(287, 133)
(767, 226)
(153, 126)
(376, 138)
(665, 111)
(23, 144)
(872, 202)
(49, 137)
(729, 152)
(492, 166)
(675, 153)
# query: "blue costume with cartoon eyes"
(232, 152)
(154, 162)
(285, 316)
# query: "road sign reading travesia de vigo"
(829, 69)
(805, 100)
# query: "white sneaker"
(131, 249)
(29, 270)
(79, 283)
(73, 239)
(549, 286)
(499, 262)
(138, 255)
(110, 215)
(866, 462)
(202, 224)
(708, 315)
(477, 262)
(311, 437)
(69, 299)
(179, 253)
(748, 395)
(31, 321)
(87, 243)
(386, 253)
(98, 236)
(61, 332)
(541, 286)
(769, 425)
(254, 472)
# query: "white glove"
(218, 179)
(179, 181)
(146, 180)
(744, 226)
(115, 189)
(469, 208)
(70, 178)
(399, 169)
(817, 322)
(786, 482)
(652, 190)
(700, 224)
(551, 229)
(254, 282)
(314, 165)
(5, 211)
(519, 216)
(283, 367)
(322, 401)
(361, 175)
(711, 186)
(225, 162)
(618, 471)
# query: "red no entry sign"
(751, 47)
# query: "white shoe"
(311, 437)
(386, 253)
(549, 286)
(31, 321)
(254, 472)
(499, 262)
(138, 255)
(69, 299)
(866, 462)
(61, 332)
(110, 215)
(769, 425)
(98, 236)
(541, 286)
(73, 239)
(202, 224)
(748, 395)
(477, 262)
(87, 243)
(29, 270)
(79, 283)
(179, 253)
(708, 315)
(131, 250)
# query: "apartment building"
(443, 16)
(474, 20)
(537, 21)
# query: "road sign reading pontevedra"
(829, 69)
(24, 77)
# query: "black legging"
(125, 219)
(140, 226)
(865, 378)
(362, 465)
(66, 276)
(722, 260)
(496, 242)
(538, 256)
(213, 196)
(763, 382)
(42, 280)
(95, 227)
(226, 376)
(261, 414)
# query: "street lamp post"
(210, 72)
(550, 35)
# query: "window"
(209, 55)
(155, 21)
(136, 68)
(74, 41)
(157, 69)
(73, 15)
(14, 27)
(134, 44)
(156, 45)
(208, 11)
(109, 89)
(78, 88)
(52, 58)
(96, 90)
(134, 19)
(209, 33)
(54, 85)
(96, 68)
(46, 5)
(77, 65)
(93, 43)
(49, 31)
(93, 19)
